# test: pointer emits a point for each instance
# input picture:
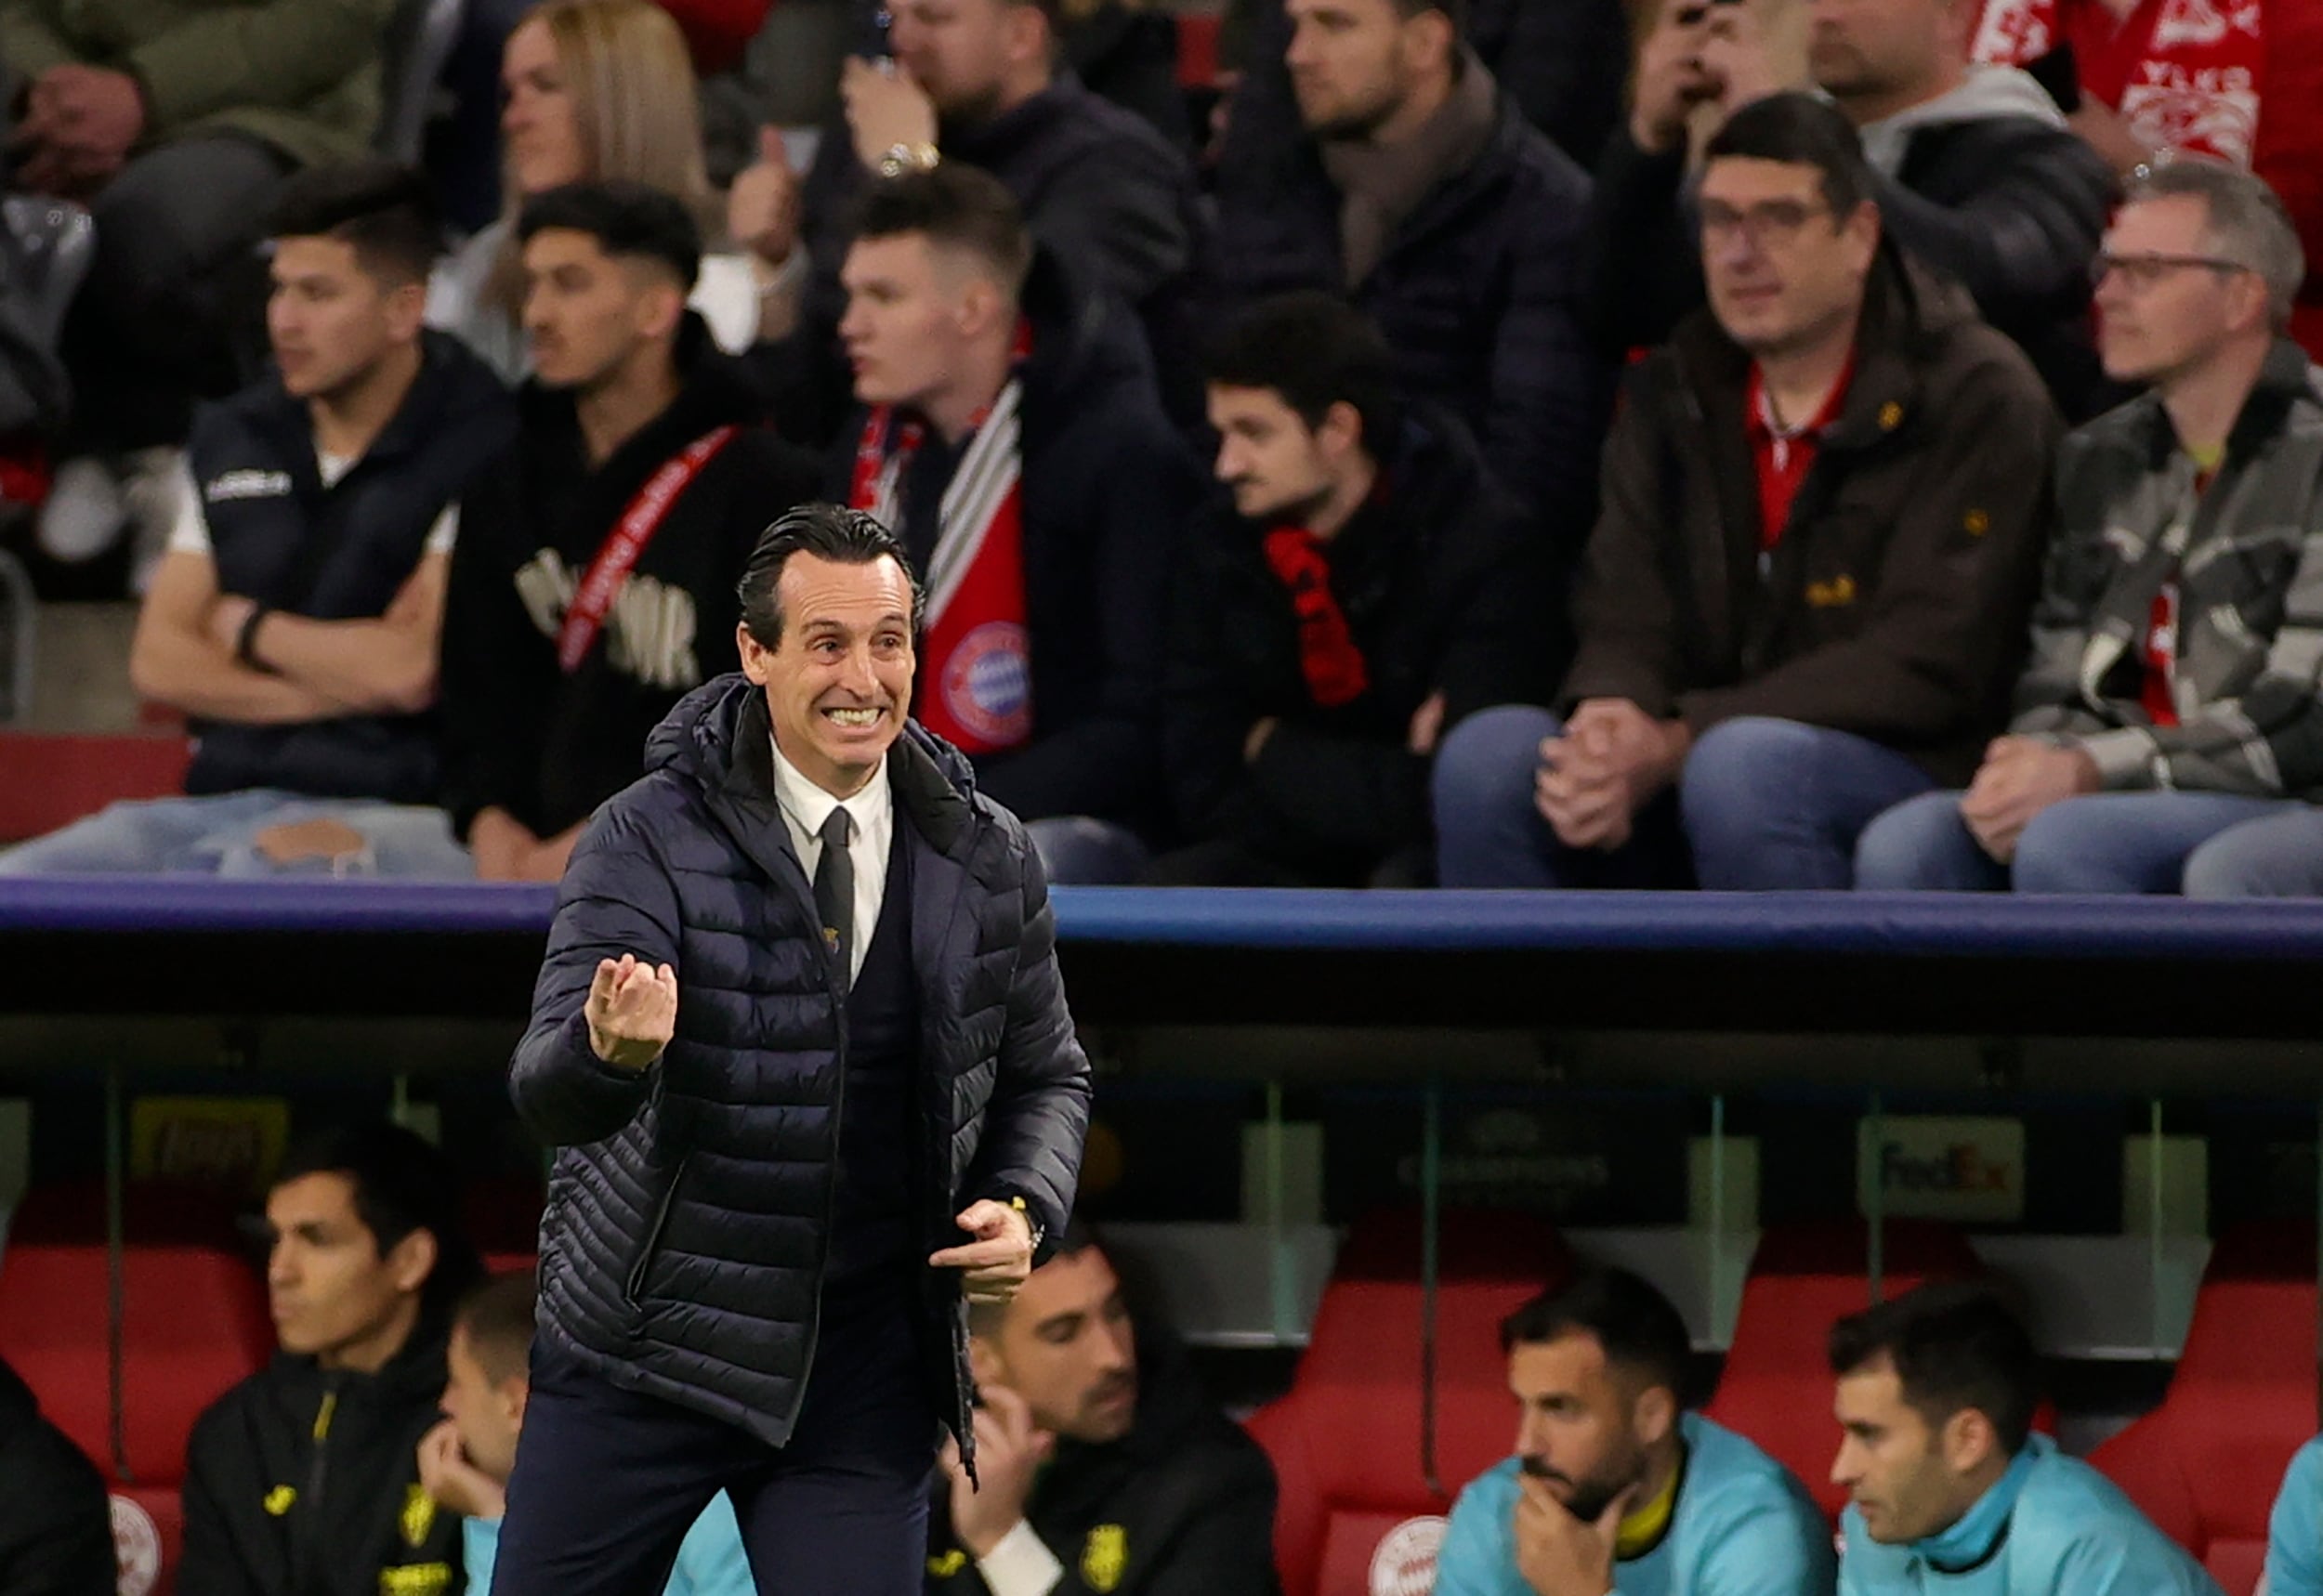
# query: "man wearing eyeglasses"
(2169, 719)
(1806, 592)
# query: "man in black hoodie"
(56, 1529)
(1012, 438)
(1101, 1464)
(294, 618)
(304, 1479)
(598, 587)
(1369, 586)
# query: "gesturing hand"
(631, 1011)
(1000, 1258)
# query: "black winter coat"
(1477, 292)
(55, 1528)
(1101, 190)
(2009, 207)
(1445, 590)
(688, 1209)
(305, 1482)
(1108, 487)
(1183, 1505)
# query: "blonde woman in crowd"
(595, 89)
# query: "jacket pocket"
(634, 1289)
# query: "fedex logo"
(1968, 1168)
(1961, 1167)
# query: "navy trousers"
(608, 1481)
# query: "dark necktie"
(834, 895)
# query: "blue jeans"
(218, 836)
(2275, 855)
(1079, 850)
(1762, 804)
(2103, 842)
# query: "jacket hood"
(415, 1375)
(1988, 94)
(707, 733)
(1083, 342)
(715, 389)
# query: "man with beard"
(1949, 1489)
(1420, 193)
(1613, 1481)
(978, 82)
(1099, 1464)
(1365, 586)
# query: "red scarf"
(975, 662)
(2185, 74)
(1335, 672)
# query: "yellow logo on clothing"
(1104, 1558)
(1839, 591)
(419, 1515)
(949, 1564)
(278, 1500)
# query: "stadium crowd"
(1851, 461)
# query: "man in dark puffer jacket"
(737, 1284)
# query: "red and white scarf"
(2183, 74)
(976, 663)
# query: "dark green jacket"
(303, 75)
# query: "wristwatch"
(1039, 1232)
(902, 158)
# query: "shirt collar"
(1977, 1533)
(1758, 411)
(807, 805)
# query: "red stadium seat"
(2206, 1463)
(193, 1321)
(1345, 1438)
(503, 1217)
(81, 773)
(1777, 1386)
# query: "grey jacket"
(2248, 559)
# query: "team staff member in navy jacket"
(801, 1043)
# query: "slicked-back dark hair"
(402, 1184)
(382, 209)
(496, 1315)
(1633, 1322)
(955, 206)
(828, 532)
(1800, 130)
(1954, 1345)
(631, 221)
(1314, 350)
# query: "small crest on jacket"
(1836, 593)
(1104, 1557)
(278, 1500)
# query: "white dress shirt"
(872, 814)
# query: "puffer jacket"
(688, 1209)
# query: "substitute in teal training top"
(1736, 1524)
(2294, 1535)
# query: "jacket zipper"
(831, 1174)
(634, 1287)
(310, 1505)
